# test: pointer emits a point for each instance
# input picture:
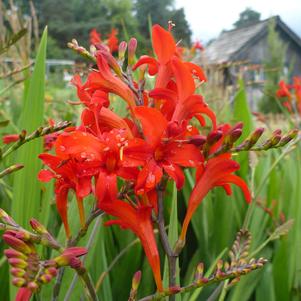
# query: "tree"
(160, 12)
(247, 17)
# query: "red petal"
(197, 71)
(163, 43)
(45, 175)
(24, 294)
(153, 124)
(184, 80)
(151, 62)
(176, 173)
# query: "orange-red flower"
(103, 79)
(215, 172)
(75, 163)
(165, 153)
(139, 221)
(95, 37)
(112, 41)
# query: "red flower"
(163, 155)
(73, 167)
(283, 90)
(216, 172)
(103, 79)
(139, 221)
(113, 40)
(95, 37)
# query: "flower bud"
(17, 272)
(19, 282)
(121, 50)
(213, 137)
(17, 244)
(65, 258)
(111, 61)
(37, 226)
(254, 137)
(289, 137)
(45, 278)
(6, 218)
(12, 253)
(52, 271)
(17, 263)
(136, 280)
(132, 51)
(33, 286)
(197, 140)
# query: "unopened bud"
(289, 137)
(254, 137)
(6, 218)
(136, 280)
(37, 226)
(33, 286)
(17, 263)
(17, 244)
(51, 271)
(132, 51)
(19, 282)
(22, 135)
(70, 253)
(12, 253)
(46, 278)
(111, 61)
(121, 50)
(17, 272)
(197, 140)
(213, 137)
(199, 272)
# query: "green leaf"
(26, 187)
(241, 112)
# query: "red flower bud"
(7, 139)
(18, 281)
(197, 140)
(33, 286)
(17, 272)
(136, 280)
(132, 51)
(16, 243)
(17, 263)
(11, 253)
(37, 226)
(46, 278)
(121, 50)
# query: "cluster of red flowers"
(111, 42)
(122, 160)
(292, 94)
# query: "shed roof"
(230, 43)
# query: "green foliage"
(160, 12)
(247, 17)
(274, 66)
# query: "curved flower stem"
(57, 285)
(214, 278)
(88, 283)
(71, 243)
(171, 256)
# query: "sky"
(208, 18)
